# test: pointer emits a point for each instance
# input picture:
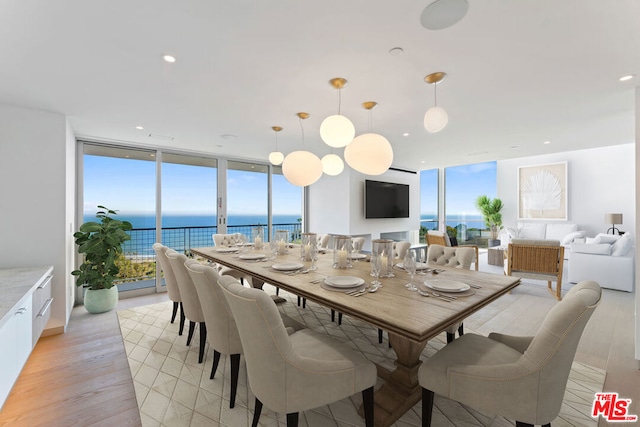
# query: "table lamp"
(613, 219)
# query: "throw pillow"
(529, 230)
(606, 238)
(571, 237)
(589, 248)
(622, 246)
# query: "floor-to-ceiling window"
(286, 204)
(188, 200)
(428, 201)
(188, 197)
(124, 180)
(463, 185)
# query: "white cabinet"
(16, 343)
(25, 301)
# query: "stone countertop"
(16, 284)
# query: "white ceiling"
(518, 73)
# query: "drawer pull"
(21, 310)
(45, 307)
(46, 282)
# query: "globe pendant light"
(337, 130)
(436, 118)
(369, 153)
(332, 164)
(276, 157)
(302, 167)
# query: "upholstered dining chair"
(400, 249)
(170, 281)
(454, 257)
(521, 378)
(190, 301)
(538, 260)
(222, 332)
(305, 369)
(323, 242)
(230, 240)
(357, 243)
(435, 237)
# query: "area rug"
(173, 389)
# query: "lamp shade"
(369, 153)
(337, 131)
(302, 168)
(276, 157)
(332, 164)
(435, 119)
(613, 218)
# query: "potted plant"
(490, 210)
(100, 243)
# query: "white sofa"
(606, 259)
(564, 232)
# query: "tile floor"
(172, 389)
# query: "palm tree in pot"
(490, 210)
(100, 243)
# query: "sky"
(127, 185)
(463, 186)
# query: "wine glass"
(313, 252)
(420, 269)
(375, 270)
(410, 267)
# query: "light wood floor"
(81, 378)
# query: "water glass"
(375, 271)
(410, 267)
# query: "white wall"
(35, 197)
(600, 181)
(337, 206)
(637, 205)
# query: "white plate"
(343, 281)
(447, 285)
(287, 266)
(419, 266)
(226, 250)
(358, 256)
(251, 256)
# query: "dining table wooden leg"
(400, 391)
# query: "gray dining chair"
(520, 378)
(222, 332)
(305, 370)
(170, 281)
(453, 257)
(190, 301)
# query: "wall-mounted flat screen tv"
(385, 200)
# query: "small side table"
(495, 256)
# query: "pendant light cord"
(339, 100)
(435, 94)
(302, 130)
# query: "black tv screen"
(385, 200)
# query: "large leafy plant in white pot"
(100, 243)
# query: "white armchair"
(607, 259)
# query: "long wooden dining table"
(409, 318)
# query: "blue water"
(171, 221)
(471, 221)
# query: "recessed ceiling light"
(405, 134)
(423, 161)
(139, 127)
(442, 14)
(396, 51)
(169, 58)
(547, 142)
(626, 78)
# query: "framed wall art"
(543, 192)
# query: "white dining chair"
(297, 372)
(190, 300)
(170, 281)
